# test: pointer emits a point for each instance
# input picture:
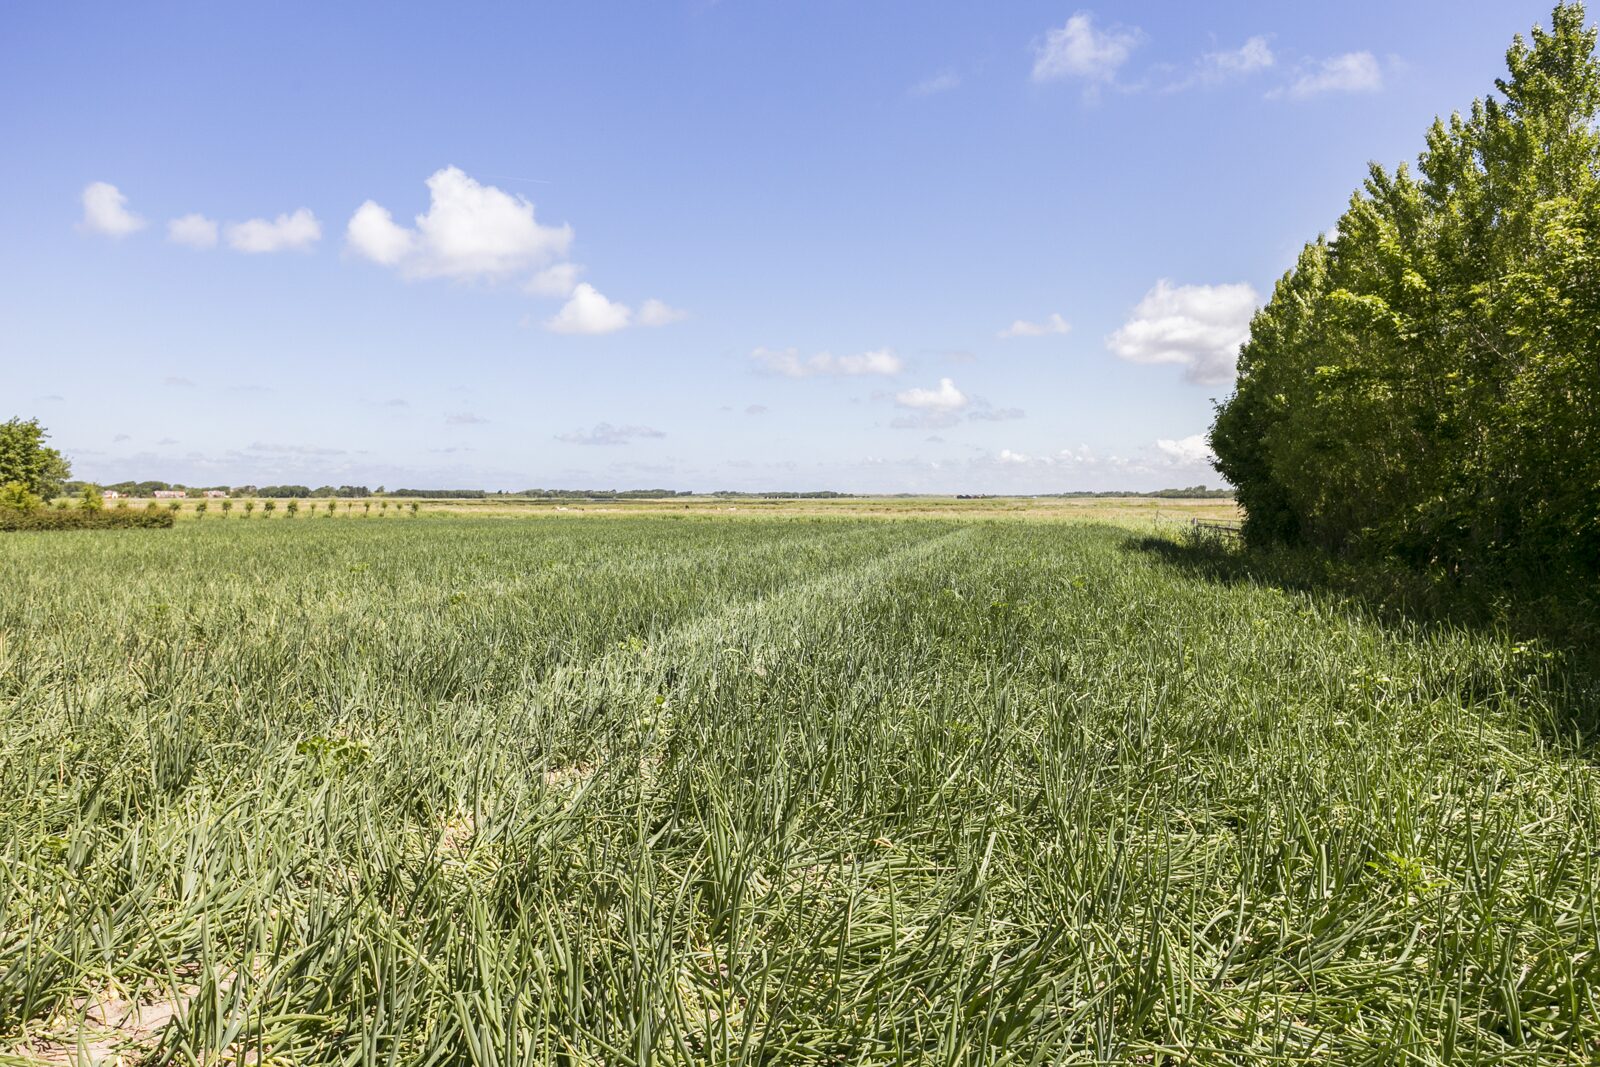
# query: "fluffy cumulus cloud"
(195, 231)
(945, 398)
(1024, 328)
(607, 434)
(470, 230)
(789, 363)
(105, 211)
(373, 233)
(1186, 452)
(1079, 50)
(1353, 72)
(557, 280)
(286, 233)
(1199, 327)
(589, 311)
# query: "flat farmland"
(703, 788)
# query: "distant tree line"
(1424, 385)
(148, 488)
(1193, 492)
(601, 494)
(440, 494)
(817, 494)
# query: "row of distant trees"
(279, 492)
(1424, 385)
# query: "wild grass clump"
(612, 791)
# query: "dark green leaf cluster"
(1424, 385)
(27, 461)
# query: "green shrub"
(1424, 387)
(82, 519)
(18, 497)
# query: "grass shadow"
(1563, 623)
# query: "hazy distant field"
(679, 789)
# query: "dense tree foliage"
(1425, 384)
(26, 461)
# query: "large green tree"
(27, 461)
(1426, 384)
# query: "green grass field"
(653, 789)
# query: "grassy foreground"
(620, 790)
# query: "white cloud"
(787, 362)
(1198, 326)
(1255, 54)
(470, 230)
(589, 311)
(1163, 461)
(1216, 68)
(294, 232)
(945, 398)
(196, 231)
(939, 83)
(607, 434)
(1353, 72)
(373, 233)
(656, 313)
(466, 418)
(1078, 50)
(558, 280)
(1191, 451)
(105, 211)
(1022, 328)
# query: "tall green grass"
(632, 791)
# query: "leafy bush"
(1425, 386)
(82, 519)
(18, 497)
(24, 458)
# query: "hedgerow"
(13, 519)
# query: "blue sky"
(900, 247)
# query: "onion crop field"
(514, 791)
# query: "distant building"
(169, 494)
(111, 494)
(216, 494)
